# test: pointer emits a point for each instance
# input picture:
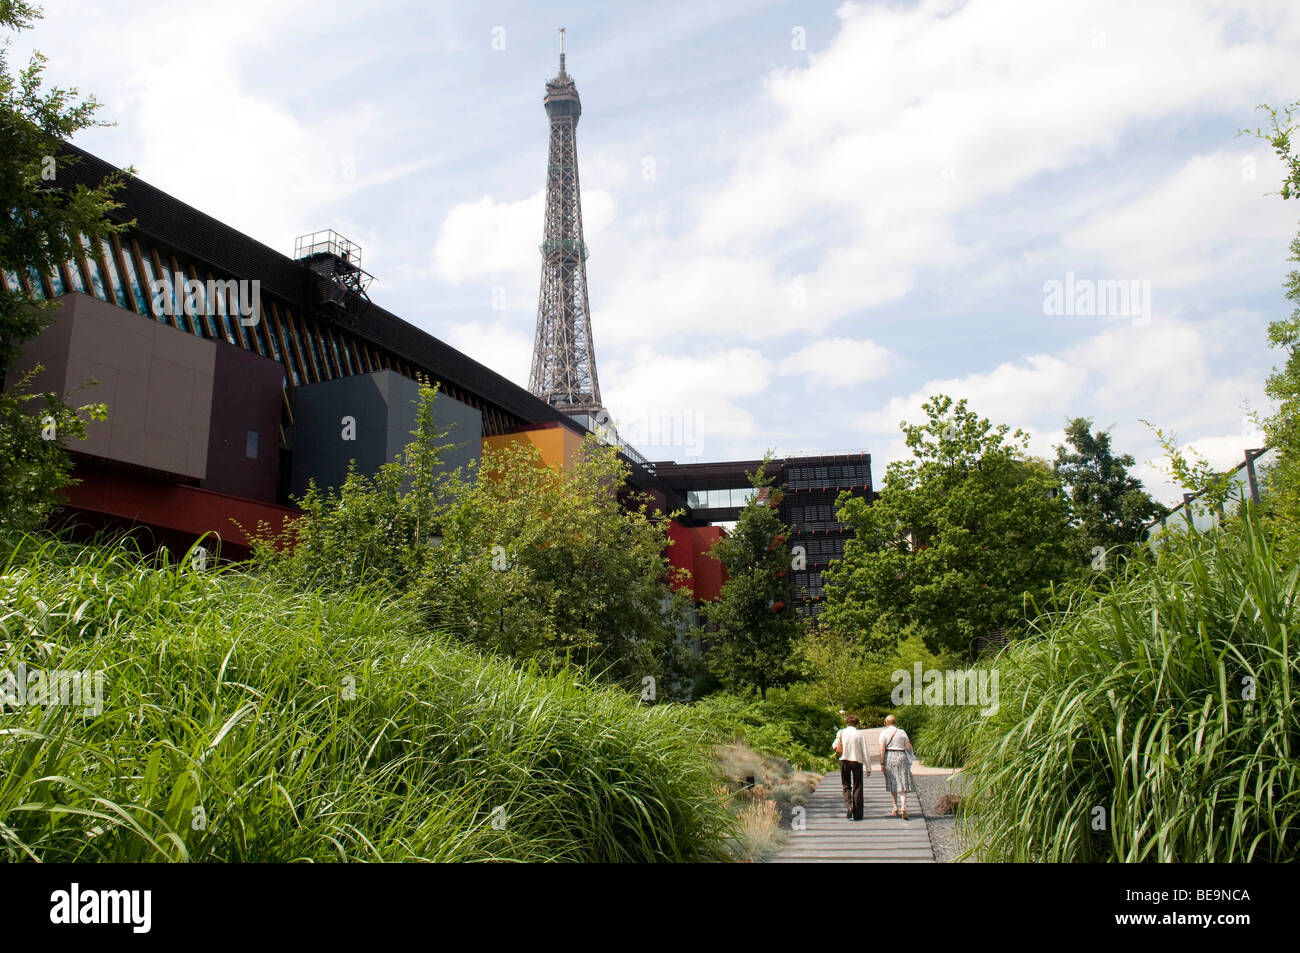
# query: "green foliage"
(560, 566)
(754, 624)
(245, 721)
(39, 225)
(1167, 700)
(1194, 473)
(909, 652)
(946, 734)
(963, 535)
(850, 677)
(514, 557)
(1110, 506)
(837, 667)
(779, 725)
(374, 530)
(795, 706)
(1282, 428)
(34, 463)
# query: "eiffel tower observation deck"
(564, 357)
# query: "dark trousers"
(851, 778)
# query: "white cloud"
(498, 345)
(203, 113)
(1161, 373)
(666, 404)
(1039, 384)
(199, 132)
(916, 114)
(491, 239)
(839, 362)
(1212, 215)
(484, 239)
(1156, 366)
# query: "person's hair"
(851, 720)
(890, 719)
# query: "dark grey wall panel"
(323, 443)
(383, 406)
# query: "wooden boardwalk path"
(831, 838)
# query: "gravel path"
(942, 827)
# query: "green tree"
(960, 538)
(1192, 472)
(1282, 427)
(755, 626)
(34, 464)
(1110, 507)
(558, 565)
(836, 666)
(40, 222)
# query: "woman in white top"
(896, 764)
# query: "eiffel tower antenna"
(564, 357)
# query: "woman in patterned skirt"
(896, 764)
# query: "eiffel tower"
(564, 357)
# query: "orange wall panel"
(557, 445)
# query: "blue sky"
(803, 218)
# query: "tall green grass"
(1125, 731)
(246, 722)
(943, 736)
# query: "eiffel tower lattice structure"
(564, 357)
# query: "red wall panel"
(709, 574)
(681, 553)
(688, 548)
(172, 506)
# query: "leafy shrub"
(727, 716)
(811, 725)
(871, 716)
(513, 557)
(912, 719)
(857, 673)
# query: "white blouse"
(897, 741)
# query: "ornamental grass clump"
(1154, 720)
(244, 721)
